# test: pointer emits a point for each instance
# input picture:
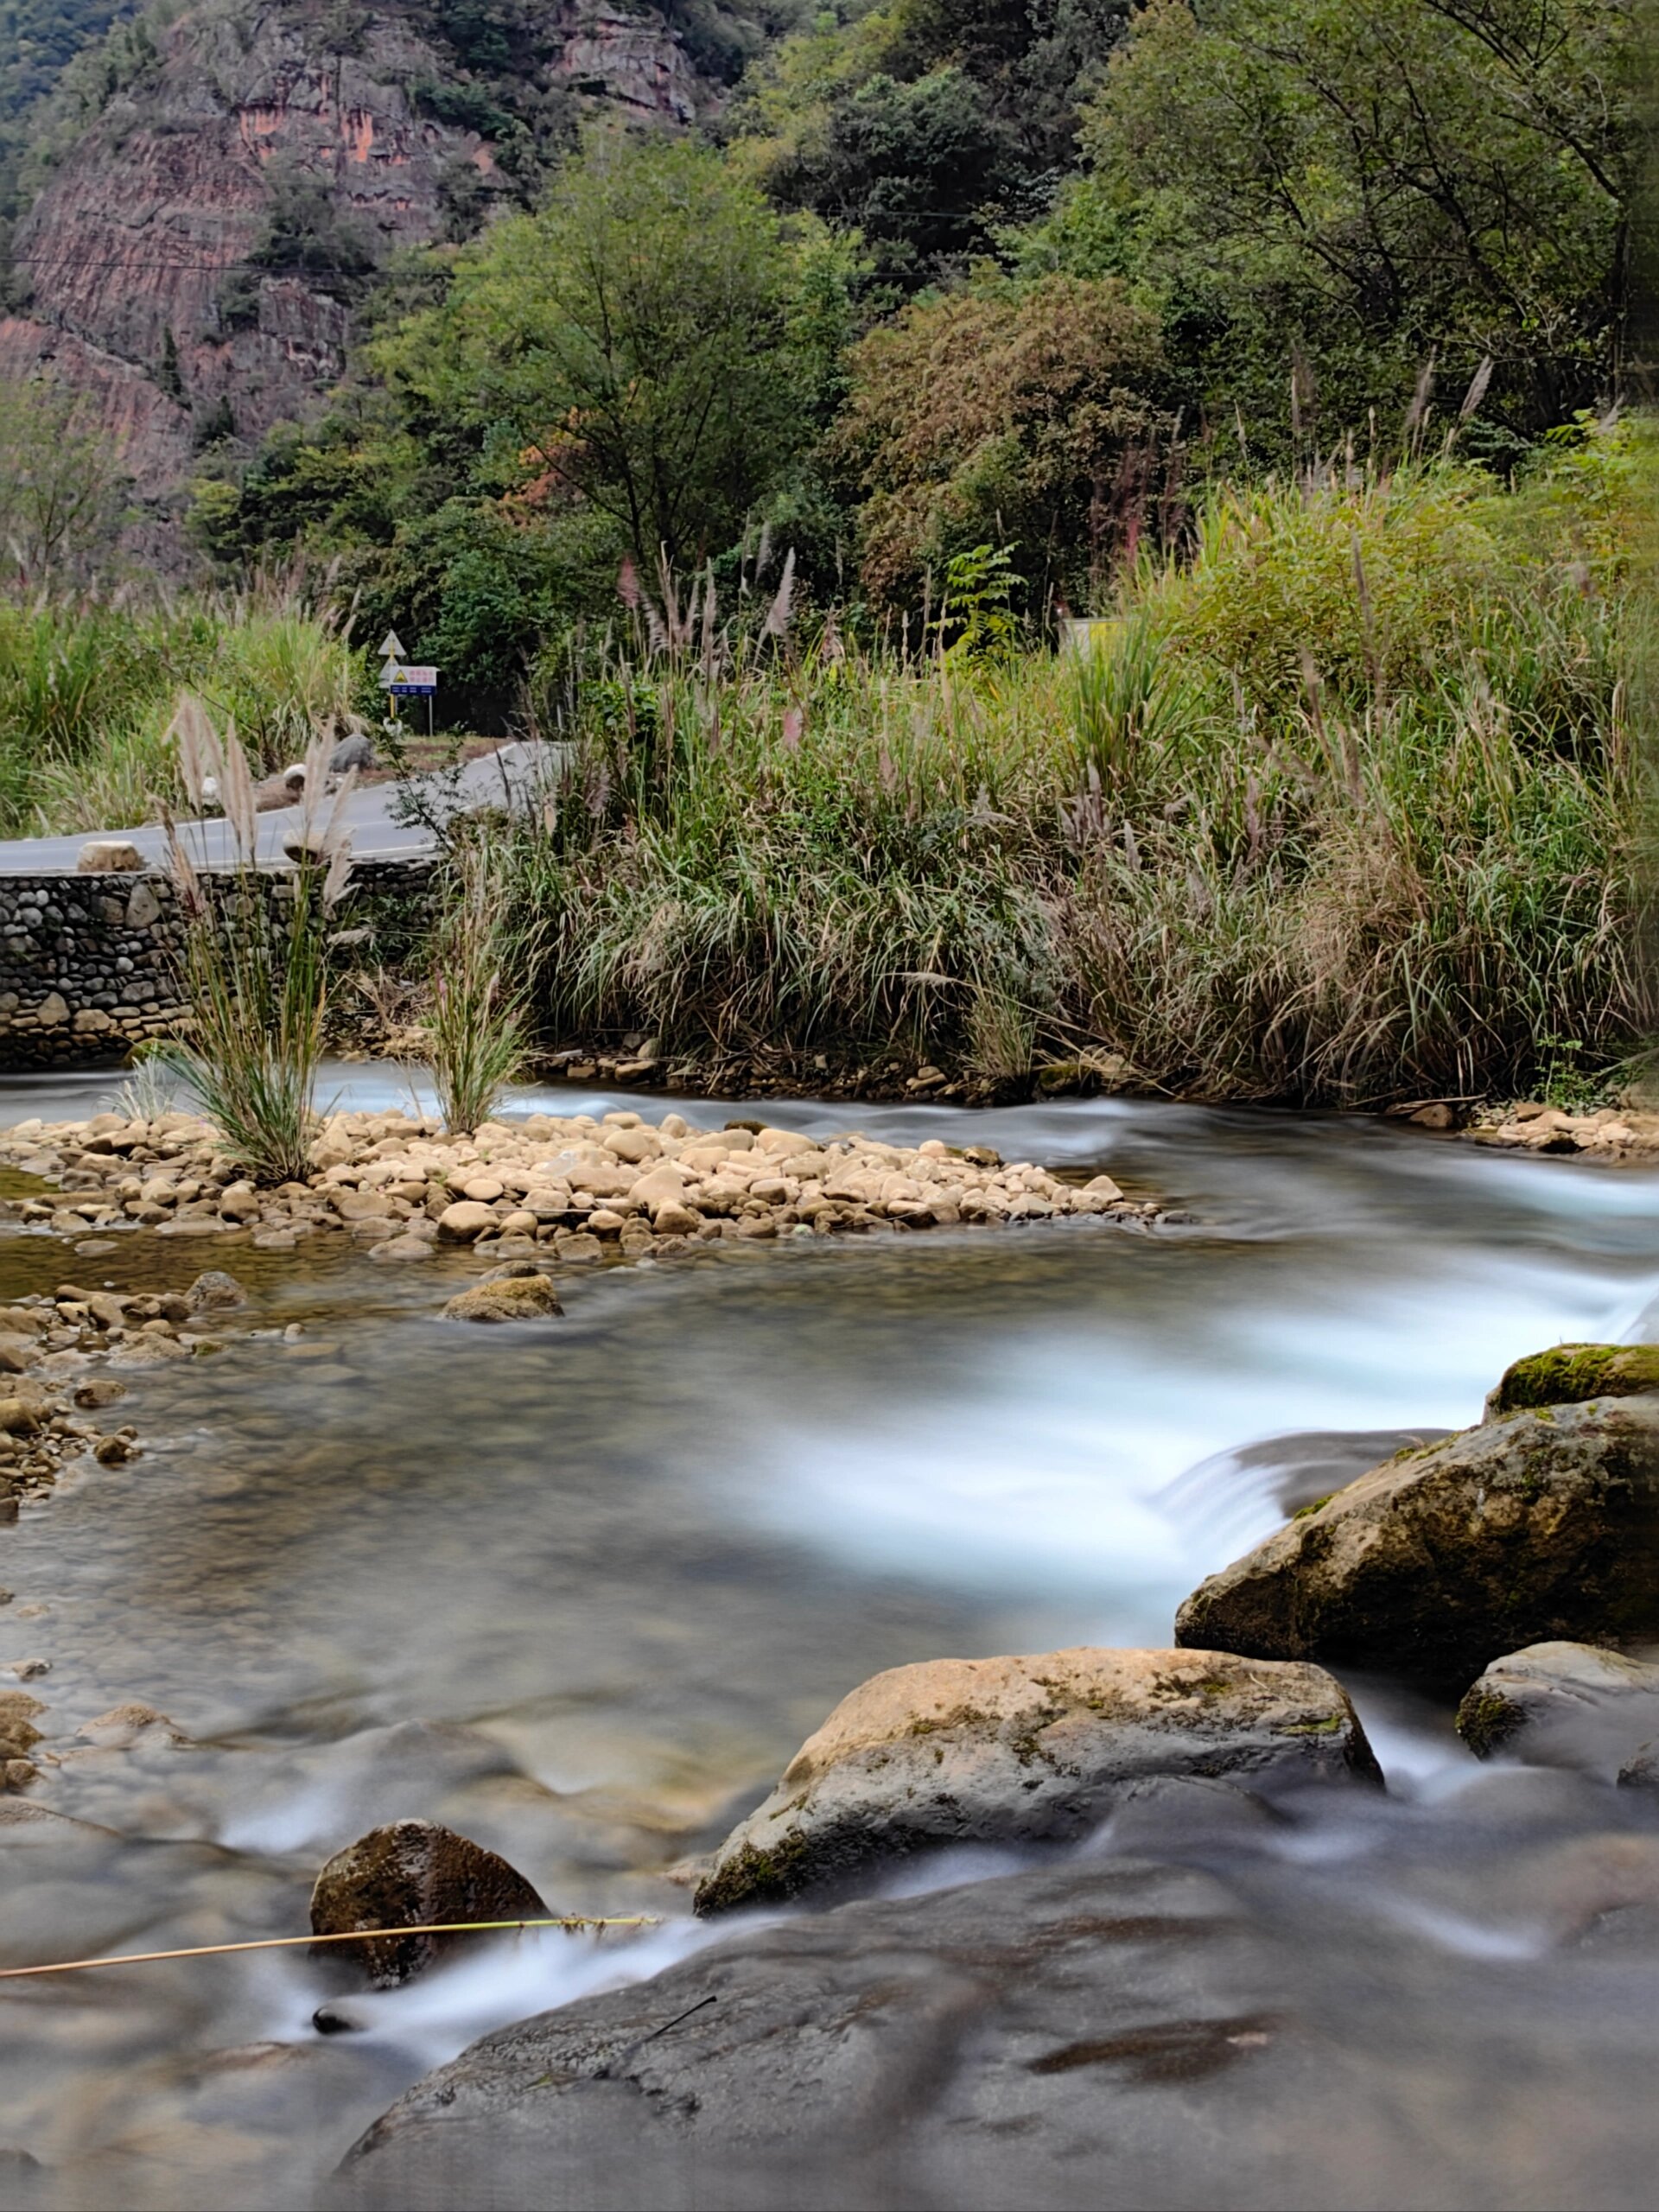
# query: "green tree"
(631, 349)
(1027, 414)
(1349, 189)
(61, 489)
(925, 124)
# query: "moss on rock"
(1569, 1375)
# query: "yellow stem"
(351, 1935)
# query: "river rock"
(214, 1291)
(1023, 1751)
(514, 1298)
(18, 1734)
(1568, 1374)
(1570, 1705)
(1533, 1528)
(467, 1219)
(411, 1874)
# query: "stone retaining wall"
(88, 963)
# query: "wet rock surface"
(1033, 1750)
(1572, 1705)
(413, 1873)
(1124, 2034)
(1535, 1527)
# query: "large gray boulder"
(1566, 1704)
(1010, 1751)
(1101, 2036)
(1533, 1528)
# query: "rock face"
(1535, 1526)
(518, 1298)
(1568, 1705)
(141, 295)
(410, 1874)
(1023, 1751)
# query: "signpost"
(404, 679)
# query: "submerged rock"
(513, 1298)
(214, 1291)
(1024, 1750)
(1533, 1528)
(408, 1875)
(1570, 1705)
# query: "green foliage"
(1357, 192)
(61, 488)
(1024, 411)
(87, 696)
(627, 348)
(1388, 869)
(925, 125)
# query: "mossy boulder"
(1035, 1750)
(514, 1298)
(1534, 1528)
(1569, 1375)
(412, 1874)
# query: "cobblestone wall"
(88, 963)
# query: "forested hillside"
(1016, 277)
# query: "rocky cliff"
(159, 280)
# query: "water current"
(580, 1590)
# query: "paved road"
(514, 772)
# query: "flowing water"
(579, 1590)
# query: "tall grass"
(474, 1025)
(254, 965)
(1346, 813)
(87, 694)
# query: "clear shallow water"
(580, 1591)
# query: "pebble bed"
(573, 1189)
(1610, 1133)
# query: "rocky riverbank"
(573, 1188)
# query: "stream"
(579, 1590)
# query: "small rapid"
(580, 1591)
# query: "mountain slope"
(231, 178)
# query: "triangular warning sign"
(392, 648)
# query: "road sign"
(404, 682)
(392, 648)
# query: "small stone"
(30, 1670)
(465, 1221)
(214, 1292)
(578, 1245)
(401, 1248)
(19, 1417)
(673, 1219)
(99, 1390)
(125, 1725)
(115, 1451)
(108, 857)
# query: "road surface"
(514, 773)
